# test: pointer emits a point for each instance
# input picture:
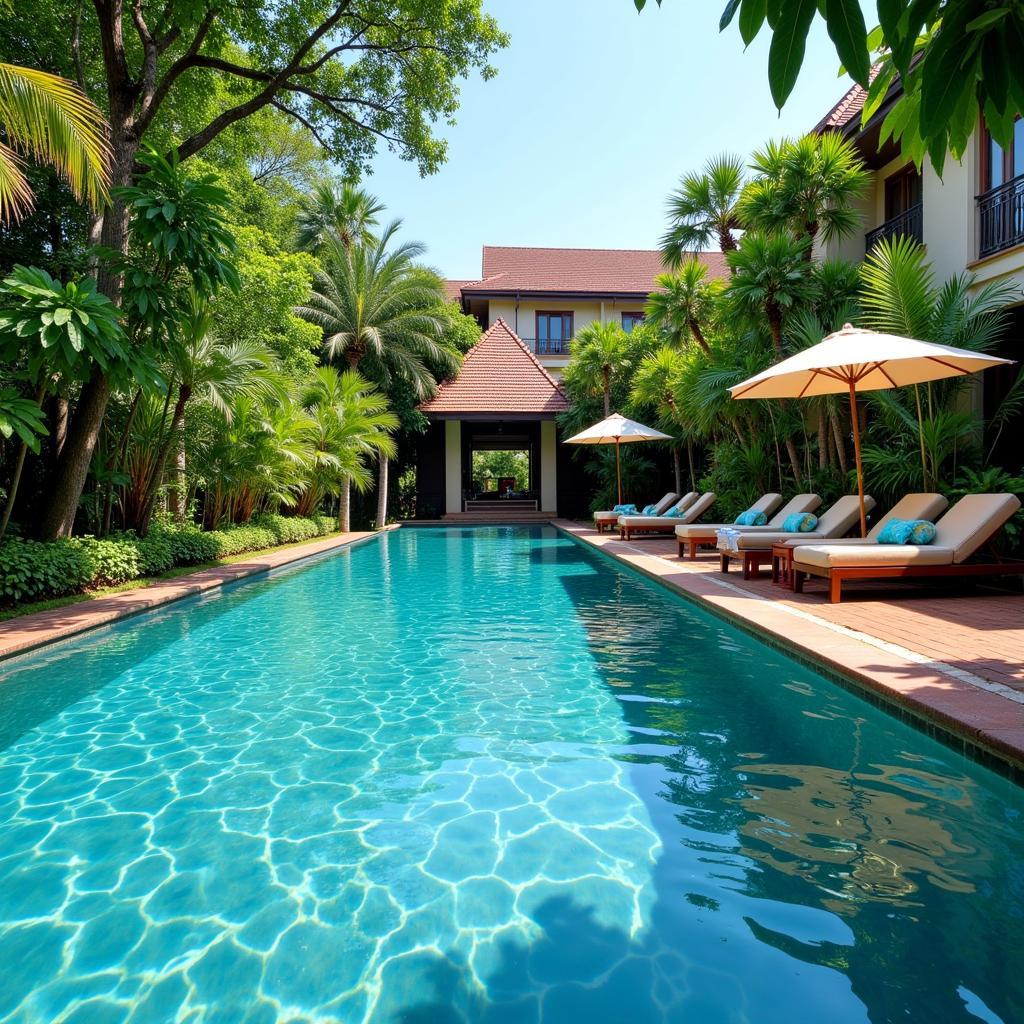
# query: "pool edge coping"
(999, 753)
(86, 617)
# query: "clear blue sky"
(594, 114)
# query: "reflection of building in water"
(862, 836)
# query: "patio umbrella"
(616, 429)
(854, 359)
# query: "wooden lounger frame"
(606, 524)
(688, 545)
(626, 532)
(837, 575)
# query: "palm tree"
(49, 119)
(385, 319)
(201, 364)
(770, 277)
(702, 210)
(808, 186)
(343, 212)
(349, 420)
(599, 354)
(653, 386)
(899, 295)
(684, 303)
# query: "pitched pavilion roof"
(499, 375)
(509, 268)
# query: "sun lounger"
(706, 534)
(629, 526)
(609, 520)
(755, 548)
(927, 505)
(968, 527)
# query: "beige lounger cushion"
(910, 506)
(692, 509)
(972, 521)
(839, 519)
(613, 517)
(829, 556)
(801, 503)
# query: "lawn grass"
(6, 614)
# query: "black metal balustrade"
(1001, 217)
(908, 224)
(549, 346)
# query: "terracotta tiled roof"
(849, 107)
(453, 288)
(576, 271)
(499, 375)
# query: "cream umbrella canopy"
(616, 429)
(855, 359)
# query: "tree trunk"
(794, 459)
(837, 436)
(693, 471)
(76, 454)
(678, 470)
(60, 425)
(607, 375)
(73, 465)
(774, 317)
(344, 503)
(19, 465)
(698, 336)
(178, 499)
(822, 439)
(382, 491)
(157, 475)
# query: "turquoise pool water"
(485, 776)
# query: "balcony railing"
(549, 346)
(1001, 217)
(907, 224)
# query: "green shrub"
(110, 561)
(287, 529)
(237, 540)
(189, 545)
(30, 569)
(325, 525)
(155, 550)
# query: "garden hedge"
(32, 570)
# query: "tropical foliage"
(703, 335)
(954, 60)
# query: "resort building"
(546, 296)
(969, 220)
(531, 303)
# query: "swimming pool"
(484, 776)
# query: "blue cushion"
(907, 531)
(650, 510)
(675, 512)
(800, 522)
(752, 517)
(922, 531)
(625, 510)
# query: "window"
(1000, 166)
(902, 192)
(554, 332)
(631, 320)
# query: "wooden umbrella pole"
(856, 451)
(618, 469)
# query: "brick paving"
(951, 656)
(30, 631)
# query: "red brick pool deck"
(30, 631)
(950, 658)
